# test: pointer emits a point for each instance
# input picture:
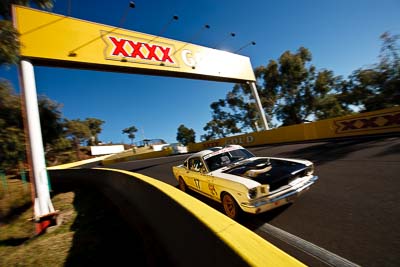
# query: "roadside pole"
(253, 88)
(44, 213)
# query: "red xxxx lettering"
(136, 50)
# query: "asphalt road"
(352, 211)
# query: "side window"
(195, 164)
(191, 164)
(200, 165)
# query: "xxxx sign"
(55, 40)
(133, 49)
(368, 123)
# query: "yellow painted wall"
(376, 122)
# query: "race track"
(352, 211)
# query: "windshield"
(219, 160)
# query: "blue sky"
(342, 35)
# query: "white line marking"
(307, 247)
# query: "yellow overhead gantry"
(56, 40)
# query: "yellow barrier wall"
(369, 123)
(77, 163)
(155, 154)
(189, 232)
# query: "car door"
(193, 173)
(197, 177)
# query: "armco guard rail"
(180, 229)
(368, 123)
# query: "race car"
(242, 182)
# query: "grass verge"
(90, 231)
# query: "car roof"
(212, 150)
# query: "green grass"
(90, 231)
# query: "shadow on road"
(324, 152)
(102, 238)
(251, 221)
(254, 221)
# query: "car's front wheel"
(231, 208)
(182, 184)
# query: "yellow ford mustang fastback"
(242, 182)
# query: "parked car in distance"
(242, 182)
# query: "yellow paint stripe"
(251, 247)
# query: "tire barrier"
(175, 227)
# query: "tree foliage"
(378, 86)
(94, 128)
(130, 131)
(222, 124)
(78, 132)
(185, 135)
(9, 43)
(5, 6)
(12, 135)
(12, 140)
(51, 120)
(59, 135)
(296, 92)
(293, 91)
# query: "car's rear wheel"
(182, 184)
(231, 208)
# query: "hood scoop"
(251, 169)
(261, 169)
(274, 172)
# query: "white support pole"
(259, 105)
(42, 202)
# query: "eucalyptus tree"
(130, 131)
(77, 131)
(291, 91)
(95, 129)
(185, 135)
(378, 86)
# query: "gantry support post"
(260, 109)
(44, 213)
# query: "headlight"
(252, 193)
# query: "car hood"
(275, 172)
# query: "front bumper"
(280, 198)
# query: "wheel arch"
(229, 193)
(180, 177)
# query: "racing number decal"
(197, 183)
(212, 189)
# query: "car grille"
(273, 185)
